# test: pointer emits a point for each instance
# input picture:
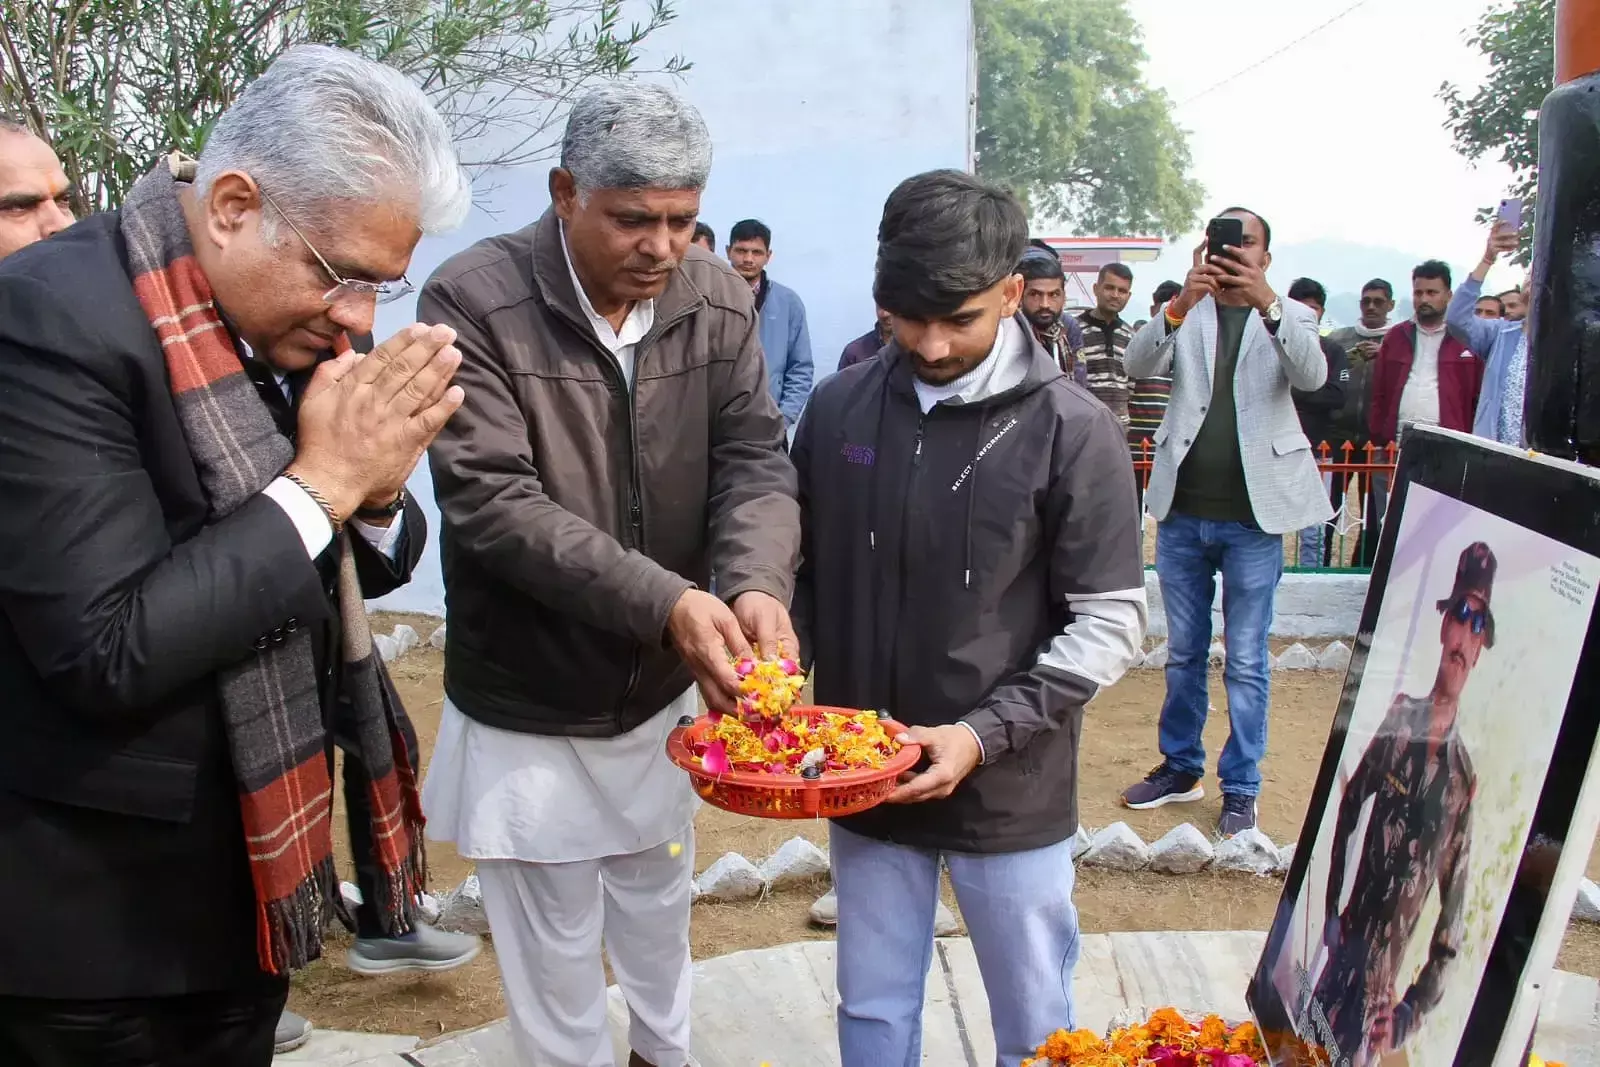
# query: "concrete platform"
(776, 1005)
(338, 1048)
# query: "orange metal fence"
(1357, 480)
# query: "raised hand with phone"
(1230, 266)
(1504, 236)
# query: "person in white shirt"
(619, 454)
(1423, 375)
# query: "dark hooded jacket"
(978, 563)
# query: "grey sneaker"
(423, 949)
(825, 912)
(1238, 814)
(1161, 787)
(292, 1032)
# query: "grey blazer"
(1280, 469)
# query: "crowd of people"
(204, 459)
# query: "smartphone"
(1221, 234)
(1510, 212)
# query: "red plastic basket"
(789, 796)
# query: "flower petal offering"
(765, 736)
(775, 759)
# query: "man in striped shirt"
(1147, 397)
(1106, 337)
(1147, 405)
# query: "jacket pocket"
(1289, 443)
(143, 785)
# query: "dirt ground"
(1118, 748)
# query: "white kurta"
(502, 795)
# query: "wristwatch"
(1274, 313)
(388, 511)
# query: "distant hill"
(1343, 267)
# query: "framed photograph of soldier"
(1430, 888)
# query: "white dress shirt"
(504, 795)
(1419, 400)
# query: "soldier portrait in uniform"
(1416, 773)
(1439, 755)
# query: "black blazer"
(120, 842)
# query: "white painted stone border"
(1184, 850)
(1334, 656)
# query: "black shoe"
(1238, 814)
(1163, 786)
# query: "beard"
(1043, 319)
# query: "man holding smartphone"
(1233, 473)
(1501, 343)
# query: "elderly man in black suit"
(201, 484)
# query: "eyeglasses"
(344, 288)
(1462, 611)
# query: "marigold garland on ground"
(765, 737)
(1166, 1039)
(1169, 1039)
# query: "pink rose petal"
(1219, 1058)
(715, 758)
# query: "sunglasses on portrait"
(1463, 611)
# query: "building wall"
(817, 110)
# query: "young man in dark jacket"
(1318, 409)
(970, 568)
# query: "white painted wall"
(817, 110)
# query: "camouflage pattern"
(1422, 788)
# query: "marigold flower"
(764, 737)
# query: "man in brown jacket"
(617, 454)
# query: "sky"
(1339, 139)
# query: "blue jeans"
(1311, 542)
(1019, 913)
(1190, 553)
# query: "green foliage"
(1067, 123)
(117, 84)
(1500, 119)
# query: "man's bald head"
(35, 197)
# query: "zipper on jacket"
(900, 565)
(635, 498)
(634, 501)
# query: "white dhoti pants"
(549, 921)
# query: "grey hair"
(324, 126)
(627, 135)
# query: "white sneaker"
(825, 912)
